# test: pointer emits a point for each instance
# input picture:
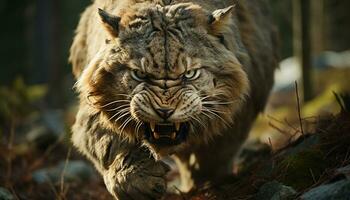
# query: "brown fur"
(235, 54)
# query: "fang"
(173, 135)
(156, 135)
(153, 125)
(177, 126)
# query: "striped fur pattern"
(208, 61)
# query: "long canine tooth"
(173, 135)
(153, 125)
(177, 126)
(156, 135)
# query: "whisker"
(214, 110)
(217, 103)
(213, 113)
(199, 121)
(210, 117)
(135, 127)
(137, 123)
(193, 124)
(138, 127)
(205, 97)
(115, 114)
(213, 95)
(121, 116)
(119, 112)
(194, 128)
(127, 119)
(125, 124)
(125, 105)
(116, 101)
(125, 95)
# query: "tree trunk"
(302, 44)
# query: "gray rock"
(5, 194)
(41, 137)
(252, 152)
(306, 143)
(74, 171)
(252, 148)
(53, 119)
(45, 129)
(329, 59)
(275, 191)
(335, 191)
(344, 171)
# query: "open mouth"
(166, 134)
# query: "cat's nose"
(165, 113)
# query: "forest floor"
(313, 166)
(289, 155)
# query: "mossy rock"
(302, 169)
(339, 190)
(275, 191)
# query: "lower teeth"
(172, 135)
(157, 135)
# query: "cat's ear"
(110, 22)
(220, 19)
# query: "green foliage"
(17, 100)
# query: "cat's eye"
(138, 75)
(192, 74)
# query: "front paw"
(142, 180)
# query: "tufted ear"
(111, 22)
(219, 19)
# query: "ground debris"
(314, 166)
(275, 191)
(5, 194)
(74, 171)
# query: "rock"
(53, 119)
(275, 191)
(253, 152)
(288, 72)
(5, 194)
(297, 170)
(334, 191)
(75, 171)
(329, 59)
(303, 143)
(46, 129)
(344, 171)
(41, 137)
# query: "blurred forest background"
(37, 102)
